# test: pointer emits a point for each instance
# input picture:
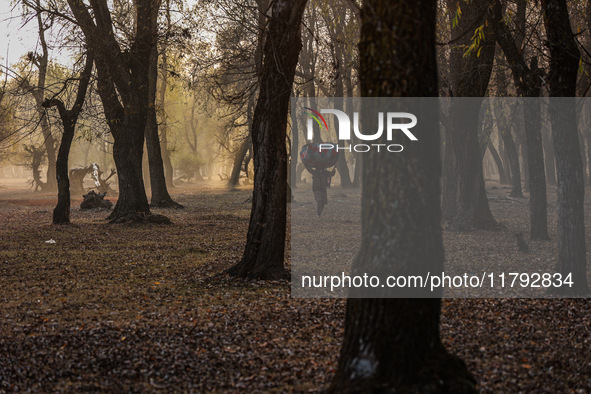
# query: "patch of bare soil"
(148, 309)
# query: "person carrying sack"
(316, 162)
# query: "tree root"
(169, 203)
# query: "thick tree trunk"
(393, 345)
(564, 62)
(124, 87)
(470, 78)
(128, 149)
(265, 242)
(473, 211)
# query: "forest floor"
(147, 308)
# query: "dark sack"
(313, 156)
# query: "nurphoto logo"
(390, 121)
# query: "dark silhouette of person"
(321, 179)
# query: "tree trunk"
(504, 158)
(562, 79)
(146, 169)
(470, 77)
(449, 204)
(265, 242)
(393, 345)
(124, 87)
(36, 158)
(61, 212)
(473, 211)
(160, 196)
(128, 149)
(498, 163)
(357, 171)
(513, 156)
(528, 81)
(522, 149)
(295, 150)
(549, 157)
(238, 160)
(537, 179)
(168, 170)
(504, 125)
(42, 63)
(343, 170)
(49, 143)
(588, 140)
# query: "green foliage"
(457, 16)
(475, 45)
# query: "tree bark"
(528, 81)
(588, 140)
(504, 158)
(538, 209)
(168, 170)
(294, 177)
(238, 160)
(550, 162)
(562, 79)
(522, 149)
(123, 84)
(265, 242)
(37, 91)
(513, 161)
(504, 125)
(470, 78)
(61, 212)
(498, 162)
(160, 196)
(393, 345)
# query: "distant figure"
(321, 179)
(317, 157)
